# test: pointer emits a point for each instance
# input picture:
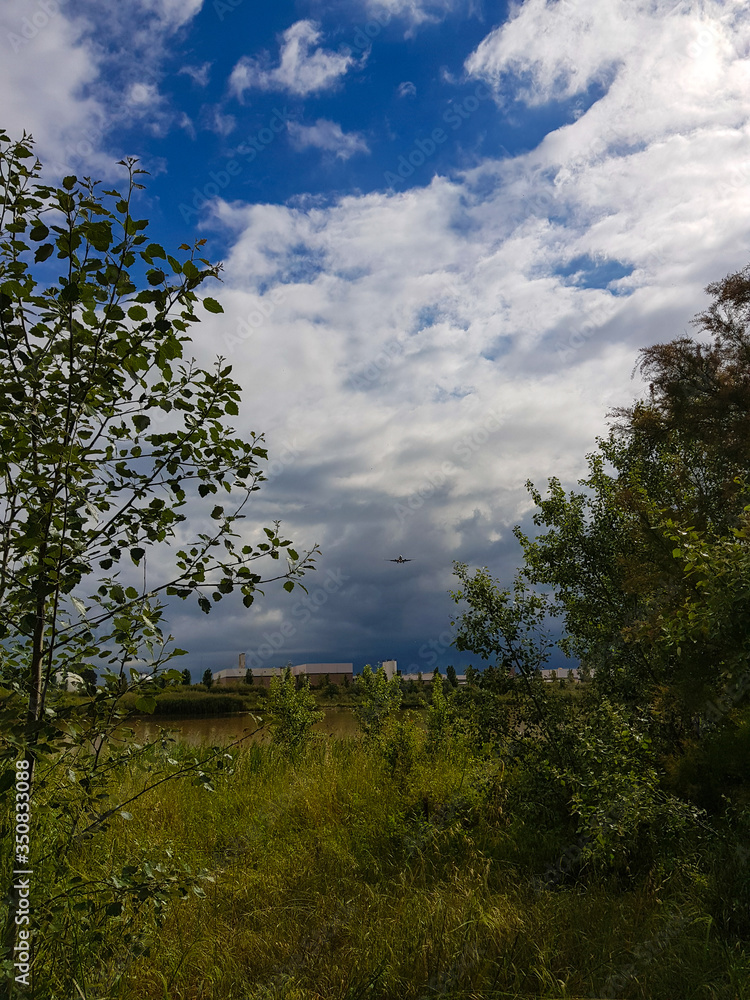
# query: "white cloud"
(328, 136)
(303, 68)
(407, 89)
(73, 75)
(46, 64)
(143, 93)
(550, 51)
(198, 74)
(426, 352)
(214, 119)
(173, 13)
(416, 12)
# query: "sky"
(447, 227)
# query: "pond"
(338, 722)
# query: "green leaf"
(99, 235)
(79, 605)
(204, 604)
(136, 554)
(43, 252)
(146, 703)
(217, 512)
(70, 182)
(141, 421)
(213, 306)
(289, 586)
(155, 277)
(39, 232)
(137, 313)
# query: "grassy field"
(389, 868)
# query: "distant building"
(234, 675)
(337, 673)
(390, 668)
(562, 674)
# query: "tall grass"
(370, 870)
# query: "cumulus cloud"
(47, 62)
(328, 136)
(77, 76)
(407, 89)
(449, 342)
(552, 51)
(304, 67)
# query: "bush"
(380, 699)
(291, 711)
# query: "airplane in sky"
(399, 560)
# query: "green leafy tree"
(675, 466)
(378, 700)
(440, 717)
(109, 436)
(121, 434)
(187, 680)
(292, 711)
(208, 678)
(248, 676)
(450, 673)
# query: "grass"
(357, 870)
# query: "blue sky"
(447, 227)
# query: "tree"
(187, 679)
(292, 711)
(624, 559)
(379, 700)
(208, 678)
(121, 437)
(450, 673)
(248, 676)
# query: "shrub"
(292, 712)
